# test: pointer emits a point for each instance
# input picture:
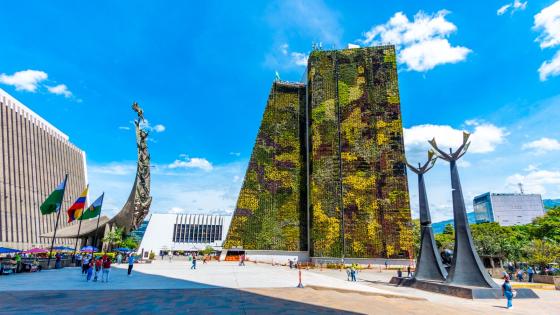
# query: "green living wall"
(271, 212)
(359, 201)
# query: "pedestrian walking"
(353, 272)
(130, 263)
(78, 260)
(507, 292)
(408, 271)
(58, 261)
(348, 273)
(85, 264)
(386, 264)
(89, 271)
(193, 265)
(399, 273)
(291, 263)
(97, 268)
(242, 260)
(119, 259)
(520, 275)
(530, 273)
(106, 269)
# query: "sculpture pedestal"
(466, 292)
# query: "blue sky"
(202, 72)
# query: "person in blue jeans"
(507, 292)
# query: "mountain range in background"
(438, 227)
(549, 203)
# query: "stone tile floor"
(225, 288)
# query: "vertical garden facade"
(271, 210)
(327, 171)
(358, 198)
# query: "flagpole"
(79, 228)
(98, 217)
(57, 219)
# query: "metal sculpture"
(138, 204)
(428, 263)
(467, 268)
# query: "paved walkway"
(548, 303)
(226, 288)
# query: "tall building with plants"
(327, 172)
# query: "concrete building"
(34, 157)
(507, 209)
(184, 232)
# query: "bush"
(110, 255)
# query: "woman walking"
(507, 292)
(130, 264)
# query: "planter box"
(544, 279)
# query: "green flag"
(54, 200)
(93, 210)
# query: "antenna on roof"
(520, 187)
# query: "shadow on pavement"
(194, 297)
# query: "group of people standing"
(92, 266)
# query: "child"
(89, 270)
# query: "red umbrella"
(36, 250)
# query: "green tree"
(542, 252)
(114, 238)
(129, 242)
(446, 240)
(416, 236)
(547, 226)
(208, 250)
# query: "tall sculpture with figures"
(428, 264)
(467, 268)
(138, 204)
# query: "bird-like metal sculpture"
(428, 262)
(467, 268)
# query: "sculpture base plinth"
(466, 292)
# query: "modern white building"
(507, 209)
(184, 232)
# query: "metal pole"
(57, 219)
(97, 227)
(78, 237)
(79, 228)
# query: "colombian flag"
(76, 210)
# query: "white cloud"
(515, 6)
(537, 182)
(284, 49)
(427, 55)
(484, 138)
(60, 89)
(199, 163)
(542, 145)
(173, 190)
(547, 21)
(147, 125)
(550, 68)
(159, 128)
(422, 44)
(299, 59)
(352, 46)
(26, 80)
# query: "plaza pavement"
(226, 288)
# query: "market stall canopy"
(5, 250)
(36, 250)
(88, 249)
(63, 248)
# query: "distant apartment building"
(507, 209)
(34, 157)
